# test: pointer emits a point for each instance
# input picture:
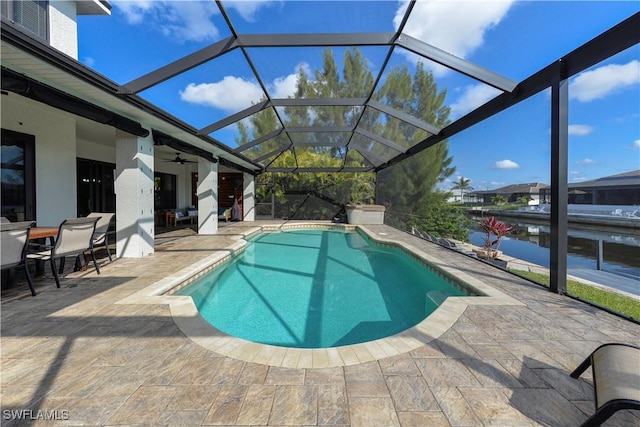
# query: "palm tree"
(463, 184)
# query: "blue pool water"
(317, 289)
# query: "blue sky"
(512, 38)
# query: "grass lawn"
(614, 301)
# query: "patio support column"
(207, 196)
(559, 174)
(134, 195)
(249, 197)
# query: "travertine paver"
(83, 357)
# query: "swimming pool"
(318, 288)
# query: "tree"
(499, 200)
(463, 184)
(524, 199)
(409, 187)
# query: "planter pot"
(483, 253)
(365, 214)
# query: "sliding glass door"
(18, 176)
(96, 191)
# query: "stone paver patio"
(92, 353)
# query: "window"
(164, 191)
(28, 14)
(18, 176)
(95, 187)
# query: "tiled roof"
(530, 188)
(621, 179)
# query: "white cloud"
(472, 97)
(580, 130)
(586, 161)
(506, 164)
(636, 143)
(248, 9)
(283, 87)
(89, 61)
(134, 10)
(453, 26)
(230, 94)
(183, 20)
(603, 81)
(233, 94)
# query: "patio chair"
(449, 244)
(633, 214)
(14, 241)
(101, 235)
(4, 220)
(617, 212)
(75, 237)
(616, 379)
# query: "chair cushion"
(44, 255)
(615, 369)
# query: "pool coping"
(187, 318)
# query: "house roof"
(357, 138)
(625, 179)
(526, 188)
(93, 7)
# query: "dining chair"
(14, 240)
(101, 235)
(75, 237)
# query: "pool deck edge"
(187, 318)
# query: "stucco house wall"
(55, 152)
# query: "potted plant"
(365, 214)
(359, 210)
(494, 232)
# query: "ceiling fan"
(179, 159)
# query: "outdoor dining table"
(43, 233)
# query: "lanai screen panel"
(295, 17)
(290, 59)
(209, 92)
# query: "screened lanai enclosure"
(365, 113)
(376, 102)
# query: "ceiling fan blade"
(179, 159)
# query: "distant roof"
(529, 188)
(93, 7)
(631, 178)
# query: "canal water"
(530, 241)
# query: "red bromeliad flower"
(494, 232)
